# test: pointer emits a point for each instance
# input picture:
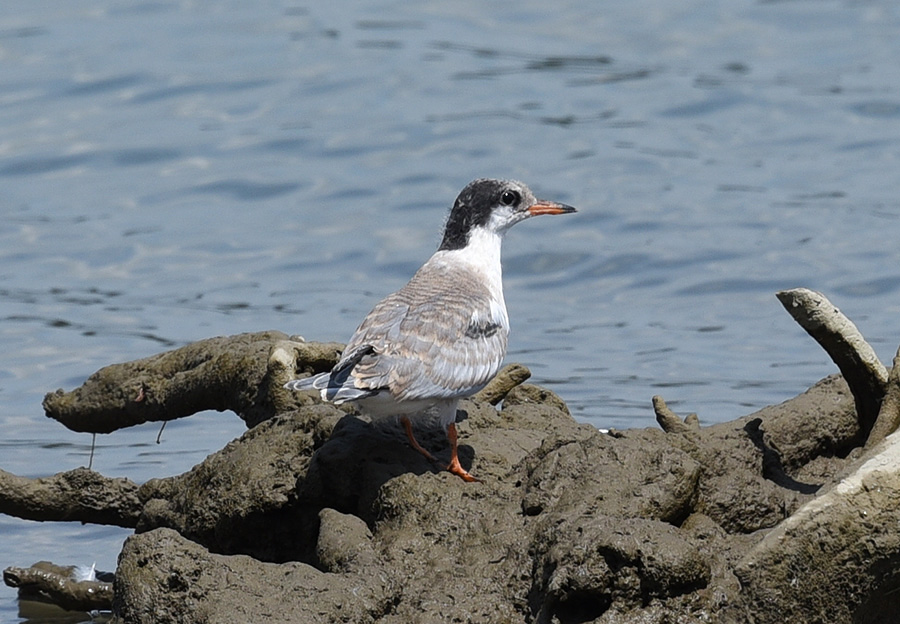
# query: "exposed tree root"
(60, 586)
(840, 338)
(243, 373)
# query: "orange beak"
(543, 207)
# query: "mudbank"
(316, 515)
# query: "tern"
(443, 336)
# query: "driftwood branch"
(508, 378)
(60, 586)
(865, 374)
(243, 373)
(669, 420)
(889, 415)
(799, 572)
(81, 495)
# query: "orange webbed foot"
(454, 466)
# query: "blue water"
(172, 171)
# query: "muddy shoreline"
(317, 515)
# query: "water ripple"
(246, 190)
(45, 164)
(96, 86)
(211, 88)
(878, 109)
(870, 288)
(736, 285)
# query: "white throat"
(482, 253)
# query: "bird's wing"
(337, 386)
(441, 336)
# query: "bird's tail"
(316, 382)
(328, 389)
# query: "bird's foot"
(454, 467)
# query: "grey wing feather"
(340, 384)
(307, 383)
(336, 386)
(433, 339)
(424, 341)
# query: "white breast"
(482, 256)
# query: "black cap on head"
(472, 209)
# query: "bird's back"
(443, 335)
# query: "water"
(178, 170)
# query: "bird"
(443, 336)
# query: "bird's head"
(495, 206)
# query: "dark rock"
(244, 499)
(587, 565)
(165, 578)
(344, 543)
(568, 525)
(319, 515)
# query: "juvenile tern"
(443, 336)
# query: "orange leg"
(407, 426)
(454, 465)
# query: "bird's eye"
(510, 198)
